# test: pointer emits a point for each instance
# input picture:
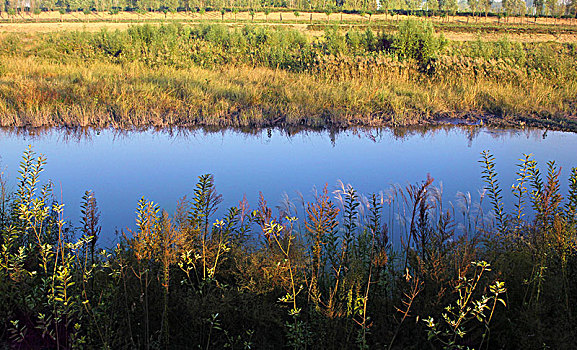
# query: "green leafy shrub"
(417, 40)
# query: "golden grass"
(516, 37)
(36, 92)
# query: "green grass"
(457, 27)
(254, 76)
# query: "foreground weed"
(457, 320)
(258, 278)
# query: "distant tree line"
(550, 8)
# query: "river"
(163, 165)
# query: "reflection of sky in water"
(120, 168)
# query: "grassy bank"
(396, 270)
(259, 76)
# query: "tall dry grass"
(37, 92)
(211, 75)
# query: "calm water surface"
(163, 166)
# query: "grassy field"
(287, 74)
(454, 27)
(273, 16)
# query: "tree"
(451, 7)
(170, 5)
(538, 4)
(474, 5)
(550, 5)
(113, 12)
(572, 8)
(386, 5)
(433, 5)
(11, 13)
(76, 5)
(486, 6)
(417, 40)
(412, 5)
(87, 13)
(48, 4)
(328, 12)
(62, 11)
(185, 4)
(507, 7)
(520, 8)
(552, 8)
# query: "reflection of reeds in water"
(376, 135)
(345, 269)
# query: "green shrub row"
(215, 45)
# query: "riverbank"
(211, 75)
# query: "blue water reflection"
(120, 167)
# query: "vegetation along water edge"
(399, 269)
(210, 74)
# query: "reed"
(393, 269)
(209, 75)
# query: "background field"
(461, 28)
